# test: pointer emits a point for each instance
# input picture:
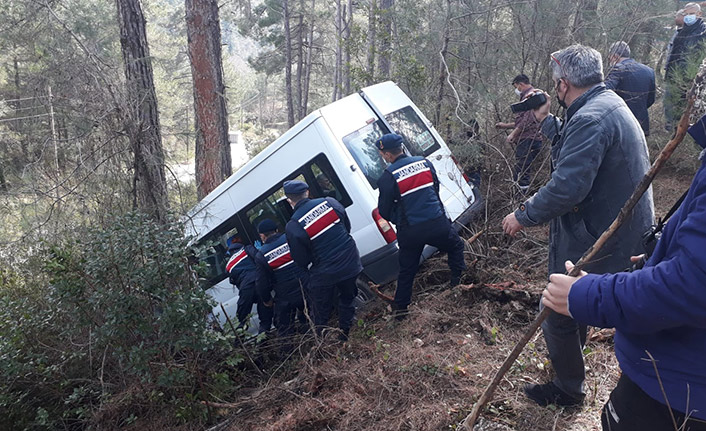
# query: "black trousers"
(286, 309)
(438, 233)
(246, 299)
(631, 409)
(322, 301)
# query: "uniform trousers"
(438, 233)
(247, 297)
(322, 301)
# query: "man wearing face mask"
(599, 155)
(525, 136)
(688, 47)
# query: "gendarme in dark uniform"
(409, 197)
(243, 274)
(277, 271)
(319, 235)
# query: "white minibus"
(333, 150)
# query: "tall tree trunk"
(300, 61)
(150, 186)
(372, 27)
(213, 160)
(385, 38)
(337, 68)
(442, 67)
(309, 54)
(347, 51)
(288, 62)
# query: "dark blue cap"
(295, 187)
(266, 226)
(390, 141)
(698, 132)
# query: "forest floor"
(425, 372)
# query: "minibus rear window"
(361, 145)
(419, 140)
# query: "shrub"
(107, 328)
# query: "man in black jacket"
(688, 48)
(632, 81)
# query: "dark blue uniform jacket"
(241, 268)
(318, 234)
(635, 84)
(409, 192)
(277, 271)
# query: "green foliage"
(109, 326)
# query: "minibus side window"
(419, 140)
(327, 184)
(361, 145)
(271, 207)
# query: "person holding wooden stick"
(599, 155)
(659, 313)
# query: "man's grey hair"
(620, 48)
(692, 6)
(581, 65)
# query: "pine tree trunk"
(213, 159)
(309, 53)
(442, 68)
(300, 61)
(337, 67)
(150, 186)
(288, 62)
(385, 38)
(347, 51)
(372, 27)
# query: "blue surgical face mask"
(518, 92)
(689, 19)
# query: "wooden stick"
(473, 239)
(624, 213)
(376, 289)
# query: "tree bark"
(309, 53)
(288, 62)
(300, 61)
(372, 27)
(142, 122)
(385, 38)
(442, 68)
(347, 50)
(337, 66)
(213, 160)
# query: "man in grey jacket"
(599, 155)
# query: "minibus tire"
(365, 295)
